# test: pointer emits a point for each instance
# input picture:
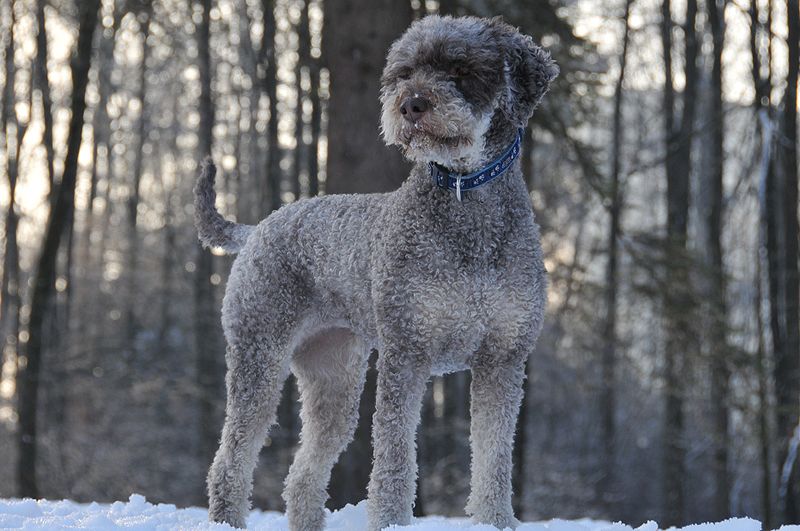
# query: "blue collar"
(461, 183)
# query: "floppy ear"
(529, 72)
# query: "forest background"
(662, 167)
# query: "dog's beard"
(451, 135)
(420, 146)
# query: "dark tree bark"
(449, 7)
(207, 336)
(766, 433)
(62, 207)
(771, 229)
(303, 59)
(787, 365)
(718, 332)
(609, 359)
(773, 249)
(677, 299)
(270, 87)
(356, 38)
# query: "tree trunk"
(270, 85)
(609, 359)
(63, 204)
(787, 366)
(677, 298)
(303, 58)
(356, 37)
(207, 337)
(718, 330)
(766, 433)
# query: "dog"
(444, 274)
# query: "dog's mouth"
(415, 135)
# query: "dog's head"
(447, 80)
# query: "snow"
(139, 514)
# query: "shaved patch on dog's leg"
(330, 370)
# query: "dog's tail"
(212, 229)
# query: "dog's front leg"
(496, 392)
(401, 384)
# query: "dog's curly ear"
(529, 72)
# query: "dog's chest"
(459, 317)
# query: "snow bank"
(137, 513)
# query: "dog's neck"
(508, 191)
(498, 137)
(460, 182)
(497, 141)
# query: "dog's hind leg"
(254, 381)
(330, 369)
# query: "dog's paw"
(223, 513)
(498, 520)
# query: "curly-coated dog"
(444, 274)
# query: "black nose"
(414, 108)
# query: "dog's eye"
(403, 73)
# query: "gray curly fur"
(434, 284)
(212, 229)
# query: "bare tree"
(677, 299)
(787, 364)
(269, 82)
(356, 35)
(207, 336)
(62, 207)
(316, 117)
(771, 232)
(303, 58)
(615, 192)
(718, 336)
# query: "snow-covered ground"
(137, 513)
